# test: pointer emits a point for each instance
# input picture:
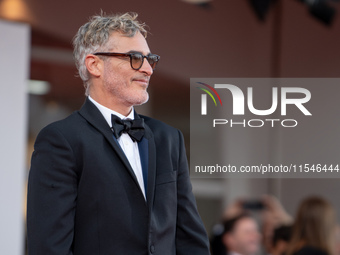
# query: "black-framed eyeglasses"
(136, 58)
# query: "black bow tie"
(134, 128)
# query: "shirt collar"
(106, 112)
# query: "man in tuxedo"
(106, 180)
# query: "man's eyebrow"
(136, 51)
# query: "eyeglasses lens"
(137, 60)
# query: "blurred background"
(195, 38)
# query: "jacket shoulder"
(158, 127)
(65, 126)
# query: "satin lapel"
(91, 113)
(151, 169)
(143, 147)
(151, 159)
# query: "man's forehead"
(245, 223)
(123, 43)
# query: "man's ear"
(94, 65)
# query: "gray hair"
(94, 35)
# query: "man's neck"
(112, 104)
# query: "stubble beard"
(127, 96)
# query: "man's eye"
(136, 56)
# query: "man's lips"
(142, 80)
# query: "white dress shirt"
(129, 147)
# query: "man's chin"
(143, 100)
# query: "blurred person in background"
(241, 235)
(314, 229)
(272, 215)
(238, 233)
(337, 240)
(281, 238)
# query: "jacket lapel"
(151, 169)
(143, 147)
(147, 151)
(90, 112)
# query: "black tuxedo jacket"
(84, 199)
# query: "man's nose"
(146, 68)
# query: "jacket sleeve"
(52, 194)
(191, 237)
